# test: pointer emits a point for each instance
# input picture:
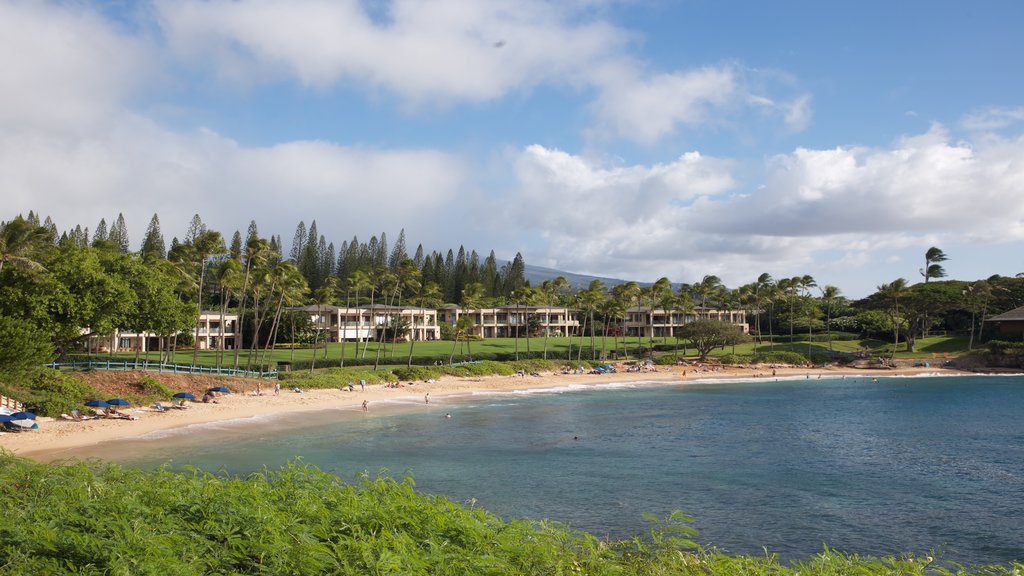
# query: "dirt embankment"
(117, 384)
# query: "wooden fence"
(158, 367)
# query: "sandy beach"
(55, 437)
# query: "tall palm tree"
(358, 280)
(551, 290)
(472, 299)
(372, 284)
(228, 276)
(626, 293)
(205, 245)
(660, 294)
(708, 288)
(894, 291)
(977, 295)
(291, 288)
(322, 296)
(425, 295)
(589, 300)
(829, 294)
(932, 268)
(257, 251)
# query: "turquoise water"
(906, 464)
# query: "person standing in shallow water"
(366, 405)
(426, 398)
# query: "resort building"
(366, 322)
(1010, 323)
(212, 332)
(660, 323)
(506, 321)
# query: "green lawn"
(397, 354)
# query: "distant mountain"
(538, 274)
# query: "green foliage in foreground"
(92, 518)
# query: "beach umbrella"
(185, 395)
(118, 402)
(23, 416)
(6, 418)
(221, 389)
(97, 404)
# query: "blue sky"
(633, 139)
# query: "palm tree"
(373, 281)
(551, 289)
(358, 281)
(425, 295)
(291, 287)
(257, 251)
(932, 268)
(228, 276)
(894, 291)
(626, 293)
(977, 296)
(661, 294)
(709, 287)
(321, 296)
(20, 241)
(589, 300)
(472, 299)
(205, 245)
(829, 294)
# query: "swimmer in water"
(448, 415)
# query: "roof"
(1015, 314)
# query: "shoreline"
(56, 439)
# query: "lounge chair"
(158, 407)
(76, 416)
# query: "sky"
(631, 139)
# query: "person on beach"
(366, 405)
(362, 385)
(277, 388)
(426, 398)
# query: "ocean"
(908, 464)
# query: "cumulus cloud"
(141, 169)
(438, 51)
(64, 67)
(442, 53)
(692, 217)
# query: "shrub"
(335, 377)
(780, 357)
(149, 386)
(52, 393)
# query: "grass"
(430, 351)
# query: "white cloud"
(64, 68)
(140, 169)
(647, 109)
(437, 51)
(994, 118)
(456, 51)
(687, 218)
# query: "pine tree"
(418, 258)
(398, 254)
(298, 242)
(195, 228)
(101, 232)
(490, 275)
(118, 235)
(153, 242)
(51, 228)
(33, 219)
(253, 234)
(236, 246)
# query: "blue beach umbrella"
(6, 418)
(185, 395)
(221, 389)
(97, 404)
(118, 402)
(23, 416)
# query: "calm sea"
(916, 464)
